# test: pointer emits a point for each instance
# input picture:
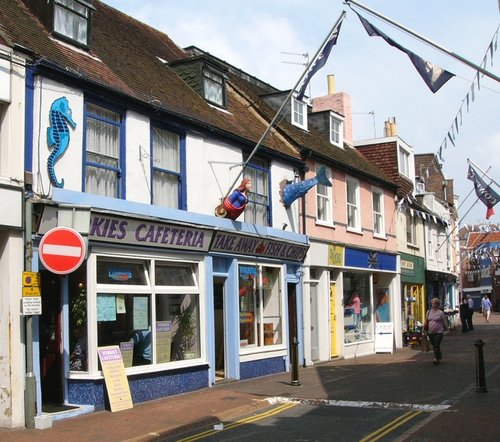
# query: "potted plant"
(187, 331)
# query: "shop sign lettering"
(131, 231)
(245, 245)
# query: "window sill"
(257, 353)
(353, 230)
(383, 236)
(325, 223)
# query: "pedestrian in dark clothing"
(470, 302)
(464, 312)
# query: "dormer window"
(336, 131)
(299, 114)
(72, 20)
(214, 87)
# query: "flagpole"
(426, 40)
(482, 171)
(287, 99)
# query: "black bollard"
(294, 356)
(480, 377)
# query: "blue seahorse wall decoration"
(58, 135)
(295, 190)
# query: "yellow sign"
(31, 279)
(31, 291)
(335, 255)
(115, 378)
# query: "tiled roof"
(385, 156)
(130, 60)
(475, 239)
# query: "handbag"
(424, 343)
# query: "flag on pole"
(320, 59)
(433, 75)
(485, 193)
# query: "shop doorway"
(219, 329)
(292, 313)
(51, 344)
(314, 322)
(333, 323)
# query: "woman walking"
(436, 324)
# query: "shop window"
(258, 209)
(358, 308)
(150, 308)
(103, 157)
(167, 152)
(261, 306)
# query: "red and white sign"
(62, 250)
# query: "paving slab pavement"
(405, 377)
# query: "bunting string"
(470, 97)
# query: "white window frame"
(411, 229)
(251, 351)
(378, 217)
(148, 289)
(404, 161)
(336, 131)
(353, 207)
(325, 199)
(299, 113)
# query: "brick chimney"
(340, 103)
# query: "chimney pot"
(331, 84)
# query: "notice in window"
(106, 308)
(163, 341)
(141, 313)
(120, 304)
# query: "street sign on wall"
(62, 250)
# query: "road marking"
(247, 420)
(361, 404)
(391, 426)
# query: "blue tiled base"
(144, 387)
(255, 369)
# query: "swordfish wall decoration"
(58, 135)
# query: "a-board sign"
(115, 378)
(384, 337)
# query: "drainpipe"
(30, 384)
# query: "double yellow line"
(391, 426)
(247, 420)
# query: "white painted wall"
(12, 365)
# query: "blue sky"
(254, 36)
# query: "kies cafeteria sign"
(146, 233)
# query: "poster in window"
(140, 313)
(106, 308)
(163, 341)
(127, 350)
(120, 304)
